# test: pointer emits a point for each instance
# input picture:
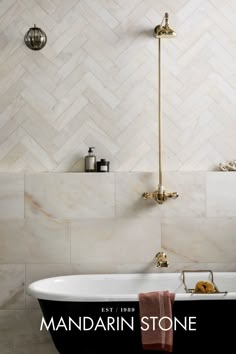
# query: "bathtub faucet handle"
(161, 260)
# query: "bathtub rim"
(33, 289)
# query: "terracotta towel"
(159, 304)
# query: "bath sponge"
(205, 287)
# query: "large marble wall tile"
(129, 189)
(221, 194)
(115, 240)
(70, 195)
(40, 271)
(12, 280)
(28, 345)
(21, 333)
(36, 240)
(11, 196)
(46, 241)
(216, 267)
(114, 268)
(190, 186)
(12, 242)
(19, 322)
(199, 240)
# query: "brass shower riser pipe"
(160, 195)
(159, 113)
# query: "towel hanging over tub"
(156, 304)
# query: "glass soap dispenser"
(90, 161)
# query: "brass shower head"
(165, 31)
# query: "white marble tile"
(11, 196)
(199, 240)
(22, 333)
(189, 185)
(36, 240)
(13, 246)
(12, 280)
(114, 268)
(221, 194)
(27, 345)
(129, 189)
(19, 322)
(215, 267)
(111, 241)
(114, 66)
(46, 241)
(150, 267)
(41, 271)
(70, 195)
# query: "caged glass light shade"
(35, 38)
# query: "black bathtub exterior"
(213, 333)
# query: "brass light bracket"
(160, 195)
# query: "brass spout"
(161, 260)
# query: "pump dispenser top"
(90, 160)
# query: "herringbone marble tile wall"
(95, 83)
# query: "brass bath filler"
(161, 260)
(160, 195)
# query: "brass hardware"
(161, 260)
(160, 195)
(191, 290)
(35, 38)
(165, 31)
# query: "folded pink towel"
(158, 304)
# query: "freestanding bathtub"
(97, 314)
